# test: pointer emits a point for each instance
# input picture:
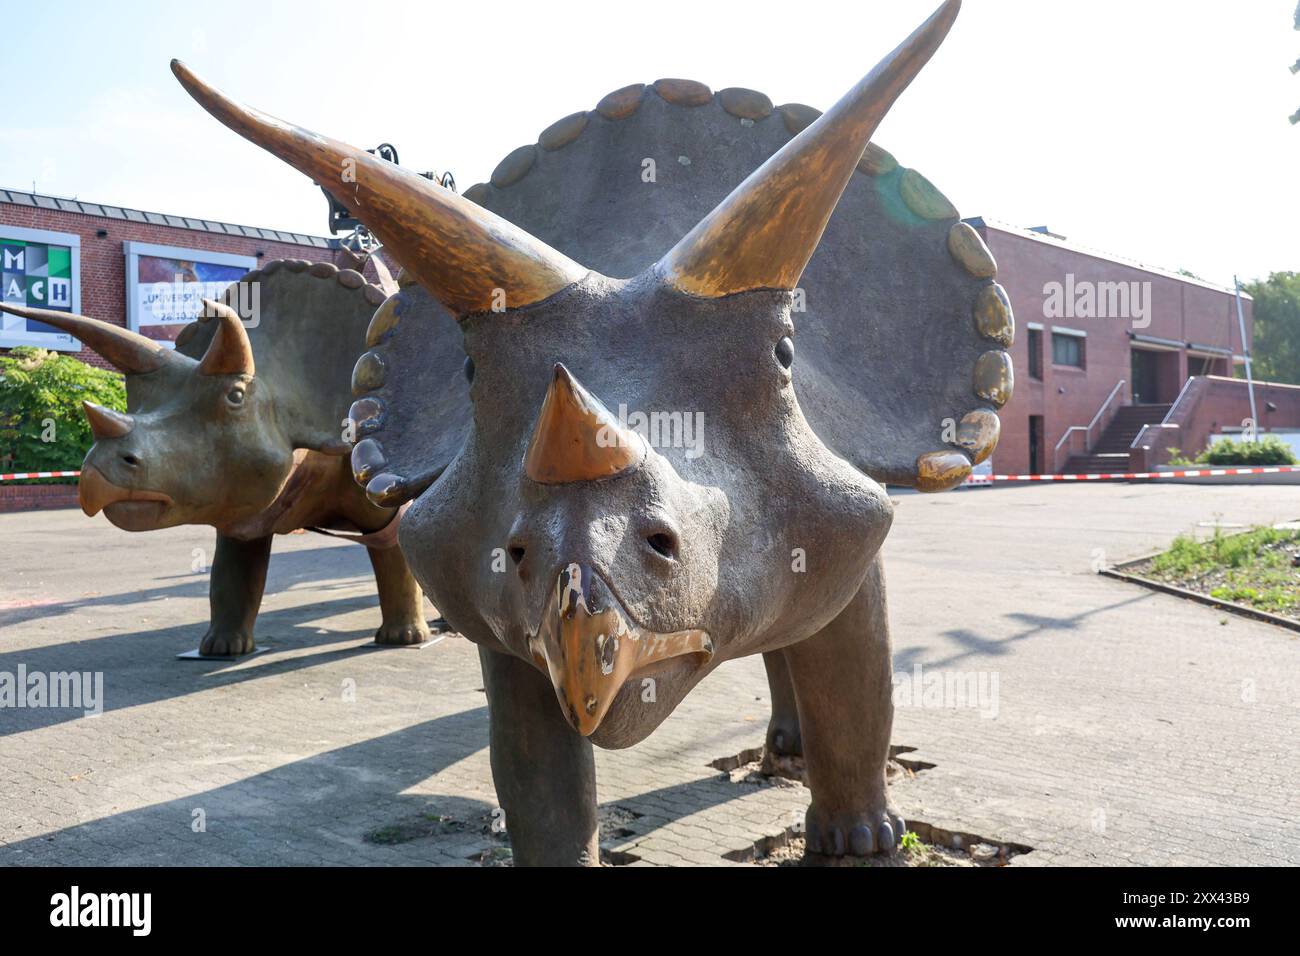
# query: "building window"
(1067, 350)
(1035, 345)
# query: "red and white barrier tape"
(972, 480)
(23, 475)
(1139, 475)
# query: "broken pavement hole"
(896, 755)
(418, 827)
(617, 824)
(728, 764)
(932, 847)
(614, 821)
(503, 856)
(617, 857)
(754, 766)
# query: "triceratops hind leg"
(841, 678)
(783, 736)
(401, 602)
(235, 595)
(544, 771)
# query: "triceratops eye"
(469, 369)
(236, 395)
(784, 351)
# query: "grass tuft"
(1252, 568)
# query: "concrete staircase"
(1110, 454)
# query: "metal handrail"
(1056, 453)
(1164, 422)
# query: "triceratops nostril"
(664, 543)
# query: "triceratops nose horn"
(128, 351)
(467, 257)
(106, 423)
(763, 234)
(576, 438)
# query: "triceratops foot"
(783, 737)
(783, 749)
(226, 643)
(402, 634)
(854, 833)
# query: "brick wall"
(1182, 310)
(103, 263)
(14, 497)
(1209, 405)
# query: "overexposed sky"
(1154, 129)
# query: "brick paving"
(1131, 727)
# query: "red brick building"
(1105, 347)
(101, 239)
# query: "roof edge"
(22, 197)
(1023, 232)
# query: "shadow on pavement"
(288, 568)
(1034, 625)
(140, 667)
(311, 811)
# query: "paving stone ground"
(1128, 727)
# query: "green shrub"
(42, 427)
(1266, 450)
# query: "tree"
(1295, 117)
(42, 427)
(1277, 327)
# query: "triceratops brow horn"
(470, 259)
(763, 234)
(229, 352)
(129, 351)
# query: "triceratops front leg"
(544, 771)
(842, 681)
(401, 602)
(235, 595)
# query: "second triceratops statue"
(637, 566)
(243, 429)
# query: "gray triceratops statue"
(637, 566)
(243, 429)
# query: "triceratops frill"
(638, 564)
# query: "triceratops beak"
(763, 234)
(464, 255)
(106, 423)
(589, 647)
(95, 492)
(576, 438)
(129, 352)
